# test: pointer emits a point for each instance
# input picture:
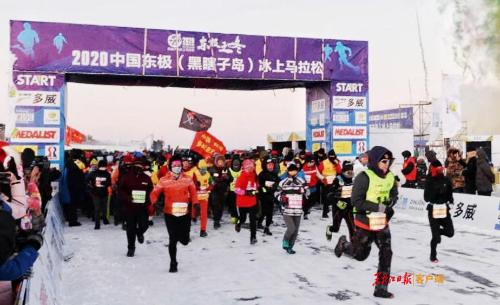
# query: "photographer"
(26, 243)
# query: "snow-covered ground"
(225, 269)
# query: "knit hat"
(347, 166)
(292, 167)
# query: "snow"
(225, 269)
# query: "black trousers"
(360, 246)
(326, 203)
(252, 212)
(218, 200)
(178, 231)
(440, 226)
(231, 203)
(137, 224)
(267, 207)
(70, 212)
(309, 202)
(343, 214)
(100, 208)
(117, 209)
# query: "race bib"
(377, 221)
(138, 196)
(346, 191)
(295, 201)
(329, 179)
(179, 209)
(99, 181)
(269, 183)
(438, 211)
(308, 178)
(203, 195)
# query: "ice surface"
(225, 269)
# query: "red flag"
(74, 136)
(207, 145)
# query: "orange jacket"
(175, 191)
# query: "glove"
(35, 240)
(308, 193)
(283, 199)
(389, 212)
(250, 192)
(341, 204)
(382, 208)
(325, 182)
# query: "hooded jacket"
(221, 178)
(134, 189)
(484, 176)
(268, 181)
(362, 183)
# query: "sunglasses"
(385, 161)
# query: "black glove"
(250, 192)
(389, 212)
(35, 240)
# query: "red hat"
(128, 158)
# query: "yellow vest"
(379, 188)
(235, 176)
(282, 169)
(329, 168)
(258, 166)
(204, 181)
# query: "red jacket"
(310, 173)
(178, 194)
(246, 181)
(412, 175)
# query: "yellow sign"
(21, 148)
(343, 147)
(316, 147)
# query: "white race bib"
(346, 191)
(179, 209)
(377, 221)
(308, 178)
(438, 211)
(329, 179)
(269, 183)
(138, 196)
(294, 201)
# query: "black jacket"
(99, 181)
(270, 178)
(438, 190)
(484, 176)
(469, 173)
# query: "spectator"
(470, 172)
(484, 175)
(454, 167)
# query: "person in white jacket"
(360, 164)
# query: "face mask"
(176, 170)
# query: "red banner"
(73, 136)
(207, 145)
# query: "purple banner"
(346, 59)
(60, 47)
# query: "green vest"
(235, 176)
(379, 188)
